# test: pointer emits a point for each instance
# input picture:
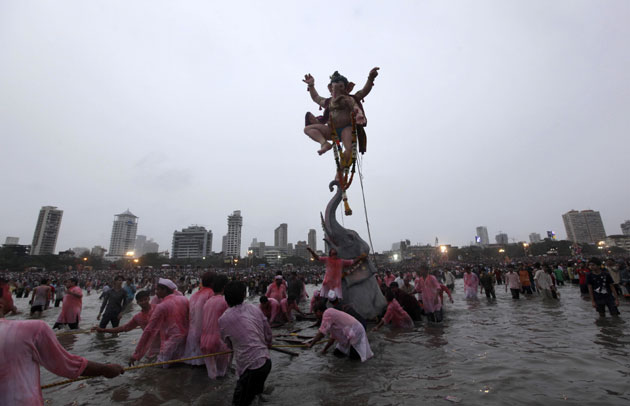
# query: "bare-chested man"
(339, 109)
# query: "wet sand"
(522, 352)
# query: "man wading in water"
(601, 289)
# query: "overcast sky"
(498, 113)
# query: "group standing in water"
(216, 320)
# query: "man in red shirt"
(334, 271)
(6, 298)
(582, 272)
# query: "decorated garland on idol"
(345, 169)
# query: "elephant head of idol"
(347, 243)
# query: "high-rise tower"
(312, 239)
(281, 236)
(232, 241)
(584, 226)
(123, 237)
(46, 231)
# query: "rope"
(367, 221)
(69, 333)
(289, 346)
(154, 364)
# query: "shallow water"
(507, 352)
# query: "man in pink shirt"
(389, 278)
(245, 329)
(195, 316)
(140, 319)
(471, 284)
(334, 271)
(513, 282)
(71, 307)
(395, 314)
(169, 321)
(29, 344)
(271, 309)
(277, 289)
(210, 340)
(345, 330)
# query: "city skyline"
(480, 114)
(282, 233)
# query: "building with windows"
(123, 237)
(232, 240)
(192, 242)
(46, 231)
(625, 228)
(584, 226)
(619, 240)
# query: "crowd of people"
(216, 320)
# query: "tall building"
(192, 242)
(534, 238)
(584, 226)
(281, 236)
(232, 241)
(482, 233)
(46, 231)
(625, 228)
(312, 239)
(123, 237)
(501, 238)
